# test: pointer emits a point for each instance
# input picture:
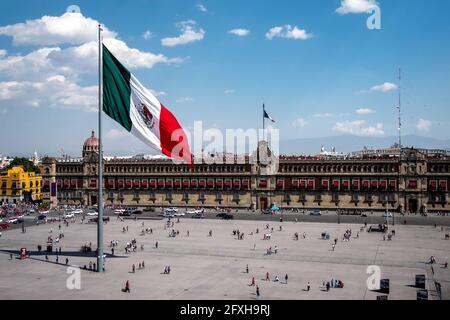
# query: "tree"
(27, 165)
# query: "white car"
(45, 211)
(12, 220)
(92, 214)
(179, 214)
(119, 211)
(69, 216)
(77, 211)
(387, 215)
(195, 211)
(171, 210)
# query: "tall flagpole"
(264, 122)
(100, 260)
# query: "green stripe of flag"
(116, 90)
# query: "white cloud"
(229, 91)
(424, 125)
(202, 8)
(184, 99)
(288, 32)
(54, 92)
(385, 87)
(356, 6)
(323, 115)
(158, 93)
(189, 33)
(364, 111)
(51, 76)
(70, 28)
(300, 122)
(359, 128)
(117, 134)
(240, 32)
(147, 35)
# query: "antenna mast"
(399, 109)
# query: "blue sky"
(325, 75)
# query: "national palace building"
(410, 180)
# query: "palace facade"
(409, 180)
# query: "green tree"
(27, 165)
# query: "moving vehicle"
(4, 226)
(77, 211)
(195, 211)
(171, 210)
(92, 214)
(137, 212)
(44, 211)
(125, 213)
(119, 211)
(228, 217)
(198, 216)
(316, 213)
(70, 215)
(179, 214)
(95, 220)
(12, 220)
(18, 221)
(387, 215)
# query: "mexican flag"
(136, 109)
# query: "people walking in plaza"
(156, 245)
(143, 265)
(257, 292)
(286, 278)
(308, 287)
(10, 256)
(333, 246)
(127, 287)
(253, 282)
(67, 261)
(246, 269)
(267, 277)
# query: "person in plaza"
(127, 287)
(143, 265)
(333, 246)
(286, 278)
(253, 282)
(267, 276)
(308, 287)
(277, 279)
(156, 245)
(67, 261)
(257, 292)
(246, 269)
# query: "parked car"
(228, 217)
(198, 216)
(221, 215)
(18, 221)
(137, 212)
(95, 220)
(69, 215)
(387, 215)
(125, 213)
(171, 210)
(316, 213)
(179, 214)
(77, 211)
(92, 214)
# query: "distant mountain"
(347, 144)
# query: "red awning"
(280, 183)
(374, 184)
(433, 184)
(263, 183)
(120, 183)
(294, 183)
(443, 184)
(219, 183)
(325, 184)
(93, 184)
(336, 184)
(237, 183)
(169, 183)
(66, 183)
(383, 184)
(152, 183)
(311, 184)
(365, 184)
(245, 183)
(194, 183)
(161, 183)
(144, 183)
(346, 184)
(228, 183)
(392, 184)
(186, 183)
(136, 183)
(128, 183)
(210, 183)
(177, 183)
(202, 183)
(110, 183)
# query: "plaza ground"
(205, 268)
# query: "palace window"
(302, 197)
(236, 197)
(368, 197)
(318, 197)
(219, 197)
(186, 196)
(136, 196)
(355, 197)
(169, 196)
(287, 198)
(335, 197)
(202, 197)
(152, 196)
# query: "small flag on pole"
(266, 116)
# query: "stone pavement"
(205, 268)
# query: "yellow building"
(18, 185)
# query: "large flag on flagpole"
(136, 109)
